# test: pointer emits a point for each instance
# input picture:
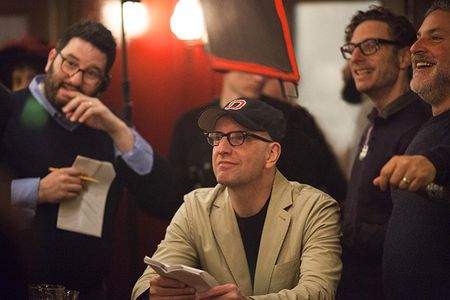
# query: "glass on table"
(46, 291)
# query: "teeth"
(363, 71)
(423, 64)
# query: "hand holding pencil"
(82, 177)
(62, 185)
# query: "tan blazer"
(299, 253)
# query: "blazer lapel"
(226, 232)
(275, 229)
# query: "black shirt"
(251, 230)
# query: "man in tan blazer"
(259, 235)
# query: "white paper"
(85, 213)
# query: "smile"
(364, 71)
(422, 64)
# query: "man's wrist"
(122, 137)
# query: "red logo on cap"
(236, 104)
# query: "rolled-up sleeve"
(140, 158)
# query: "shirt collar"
(45, 103)
(393, 107)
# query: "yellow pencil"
(82, 177)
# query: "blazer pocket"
(285, 275)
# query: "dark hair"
(32, 61)
(439, 4)
(400, 27)
(96, 34)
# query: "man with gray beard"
(416, 261)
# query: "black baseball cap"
(250, 113)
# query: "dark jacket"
(33, 142)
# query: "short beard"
(436, 92)
(51, 89)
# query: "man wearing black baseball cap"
(252, 114)
(255, 232)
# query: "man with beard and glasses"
(377, 51)
(416, 261)
(58, 117)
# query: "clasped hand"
(406, 172)
(90, 111)
(93, 113)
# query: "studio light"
(187, 21)
(136, 16)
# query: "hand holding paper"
(85, 213)
(198, 279)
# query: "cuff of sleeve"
(140, 157)
(24, 192)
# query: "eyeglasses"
(89, 76)
(367, 47)
(235, 138)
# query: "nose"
(356, 55)
(224, 146)
(258, 77)
(77, 78)
(417, 46)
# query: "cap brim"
(207, 120)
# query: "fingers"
(377, 182)
(226, 291)
(392, 173)
(162, 287)
(80, 108)
(91, 112)
(383, 180)
(406, 172)
(397, 174)
(415, 185)
(60, 185)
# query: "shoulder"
(203, 198)
(300, 196)
(419, 108)
(304, 194)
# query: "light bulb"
(187, 20)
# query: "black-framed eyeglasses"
(235, 138)
(89, 76)
(367, 47)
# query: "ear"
(274, 153)
(404, 58)
(51, 57)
